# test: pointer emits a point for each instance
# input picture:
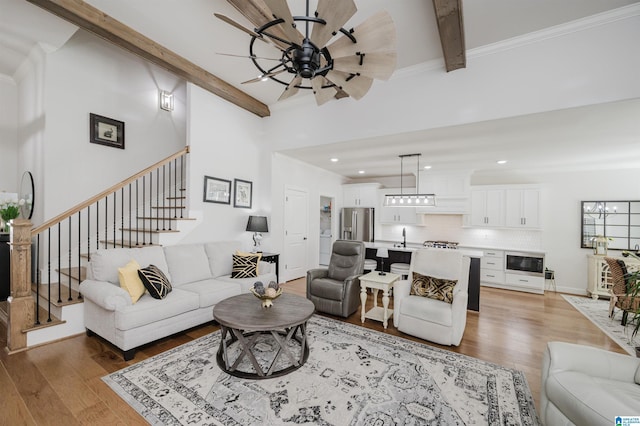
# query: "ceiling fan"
(346, 67)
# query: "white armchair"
(430, 319)
(583, 385)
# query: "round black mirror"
(26, 194)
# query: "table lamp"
(257, 225)
(382, 253)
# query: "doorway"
(296, 231)
(326, 229)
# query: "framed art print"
(243, 192)
(106, 131)
(217, 190)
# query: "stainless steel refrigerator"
(357, 224)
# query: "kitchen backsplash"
(449, 228)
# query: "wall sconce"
(166, 100)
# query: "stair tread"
(150, 231)
(175, 198)
(64, 295)
(165, 218)
(126, 244)
(76, 273)
(44, 316)
(168, 207)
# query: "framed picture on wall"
(243, 190)
(217, 190)
(106, 131)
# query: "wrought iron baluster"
(137, 215)
(115, 218)
(157, 199)
(38, 282)
(182, 187)
(106, 222)
(59, 262)
(164, 198)
(89, 233)
(175, 189)
(49, 274)
(122, 217)
(144, 188)
(79, 254)
(97, 225)
(130, 210)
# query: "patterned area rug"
(597, 311)
(354, 376)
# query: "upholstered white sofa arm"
(594, 362)
(401, 289)
(105, 295)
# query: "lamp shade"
(382, 252)
(257, 224)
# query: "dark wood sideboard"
(401, 256)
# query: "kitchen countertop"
(466, 251)
(503, 248)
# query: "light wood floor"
(60, 383)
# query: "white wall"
(89, 75)
(225, 142)
(8, 135)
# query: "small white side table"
(375, 281)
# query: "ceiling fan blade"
(322, 94)
(262, 77)
(291, 89)
(356, 87)
(376, 34)
(336, 13)
(259, 14)
(280, 9)
(378, 65)
(249, 57)
(236, 25)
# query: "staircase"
(146, 209)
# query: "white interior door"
(296, 224)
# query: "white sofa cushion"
(148, 310)
(105, 263)
(590, 400)
(187, 263)
(220, 256)
(427, 309)
(212, 291)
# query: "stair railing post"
(20, 302)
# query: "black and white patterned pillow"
(245, 266)
(155, 281)
(433, 288)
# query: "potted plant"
(633, 291)
(9, 210)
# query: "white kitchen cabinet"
(397, 215)
(527, 283)
(360, 195)
(487, 207)
(522, 208)
(492, 267)
(451, 190)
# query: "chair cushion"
(187, 263)
(327, 288)
(212, 291)
(149, 310)
(245, 266)
(426, 309)
(155, 282)
(130, 280)
(219, 254)
(432, 287)
(105, 263)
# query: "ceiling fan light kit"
(348, 66)
(410, 200)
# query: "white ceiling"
(190, 29)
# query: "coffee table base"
(247, 341)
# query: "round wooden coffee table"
(244, 322)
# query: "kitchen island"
(403, 255)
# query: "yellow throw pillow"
(244, 253)
(130, 281)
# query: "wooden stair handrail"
(105, 193)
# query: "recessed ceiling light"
(334, 160)
(501, 161)
(427, 167)
(361, 172)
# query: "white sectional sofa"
(200, 276)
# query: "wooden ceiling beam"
(97, 22)
(451, 29)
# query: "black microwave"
(524, 263)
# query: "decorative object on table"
(9, 210)
(217, 190)
(257, 225)
(27, 193)
(243, 193)
(600, 245)
(369, 377)
(267, 295)
(106, 131)
(382, 253)
(333, 70)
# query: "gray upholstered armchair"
(336, 290)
